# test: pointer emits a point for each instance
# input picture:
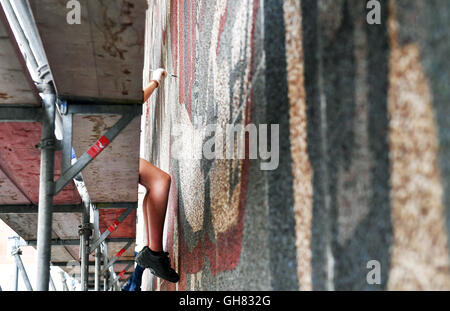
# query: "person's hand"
(158, 75)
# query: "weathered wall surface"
(363, 137)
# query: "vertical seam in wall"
(324, 163)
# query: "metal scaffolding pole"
(65, 288)
(46, 188)
(26, 21)
(20, 35)
(85, 233)
(67, 120)
(98, 268)
(72, 285)
(105, 262)
(16, 279)
(16, 274)
(52, 284)
(16, 253)
(98, 251)
(27, 33)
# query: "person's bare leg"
(157, 183)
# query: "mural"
(207, 196)
(363, 173)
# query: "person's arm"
(157, 77)
(148, 91)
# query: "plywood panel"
(24, 225)
(9, 193)
(113, 176)
(20, 160)
(61, 254)
(100, 58)
(16, 86)
(126, 229)
(65, 225)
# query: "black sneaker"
(158, 263)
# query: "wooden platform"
(101, 58)
(16, 85)
(98, 61)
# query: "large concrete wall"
(363, 138)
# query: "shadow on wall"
(330, 83)
(280, 181)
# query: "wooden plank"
(20, 160)
(24, 225)
(60, 253)
(9, 193)
(16, 86)
(101, 58)
(65, 226)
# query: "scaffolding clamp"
(16, 251)
(85, 229)
(49, 143)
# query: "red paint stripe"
(114, 226)
(120, 253)
(98, 147)
(223, 20)
(174, 32)
(188, 75)
(181, 23)
(225, 251)
(193, 39)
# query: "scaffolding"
(46, 102)
(16, 252)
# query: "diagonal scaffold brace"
(122, 273)
(116, 257)
(71, 171)
(113, 227)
